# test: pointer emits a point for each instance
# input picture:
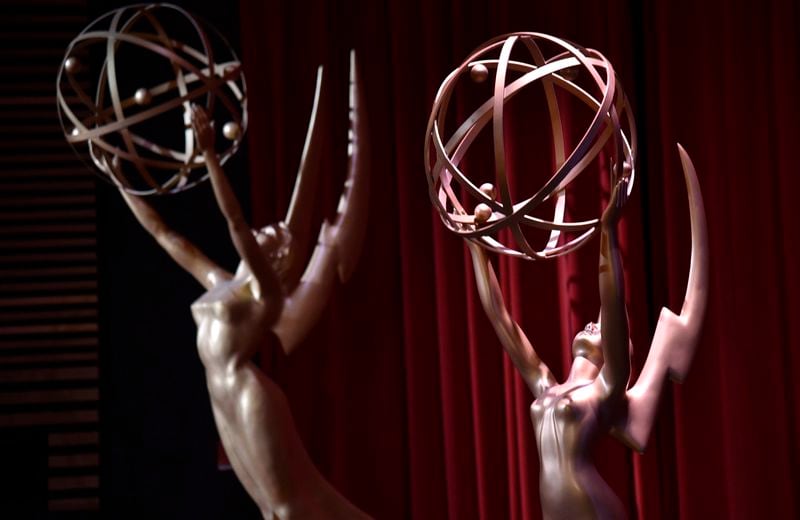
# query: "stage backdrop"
(403, 394)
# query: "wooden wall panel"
(49, 348)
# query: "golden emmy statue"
(273, 289)
(597, 397)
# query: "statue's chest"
(560, 407)
(229, 303)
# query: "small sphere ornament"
(479, 73)
(71, 65)
(231, 131)
(143, 96)
(487, 188)
(482, 213)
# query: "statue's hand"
(203, 131)
(618, 199)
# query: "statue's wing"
(306, 185)
(676, 336)
(350, 225)
(339, 244)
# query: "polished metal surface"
(596, 397)
(453, 193)
(273, 289)
(119, 131)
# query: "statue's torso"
(252, 413)
(566, 424)
(231, 323)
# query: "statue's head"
(275, 241)
(587, 344)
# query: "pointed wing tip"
(353, 66)
(355, 80)
(685, 159)
(688, 165)
(320, 71)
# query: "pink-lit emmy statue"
(273, 288)
(597, 397)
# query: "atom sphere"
(151, 64)
(559, 67)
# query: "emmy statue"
(273, 289)
(597, 397)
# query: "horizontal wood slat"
(56, 440)
(50, 396)
(74, 504)
(35, 301)
(78, 460)
(30, 315)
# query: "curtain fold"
(402, 393)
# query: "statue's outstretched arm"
(675, 338)
(533, 370)
(186, 254)
(614, 333)
(241, 234)
(339, 244)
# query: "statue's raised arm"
(532, 369)
(178, 247)
(614, 333)
(267, 284)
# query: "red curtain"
(402, 393)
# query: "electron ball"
(482, 213)
(231, 130)
(142, 96)
(479, 73)
(71, 65)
